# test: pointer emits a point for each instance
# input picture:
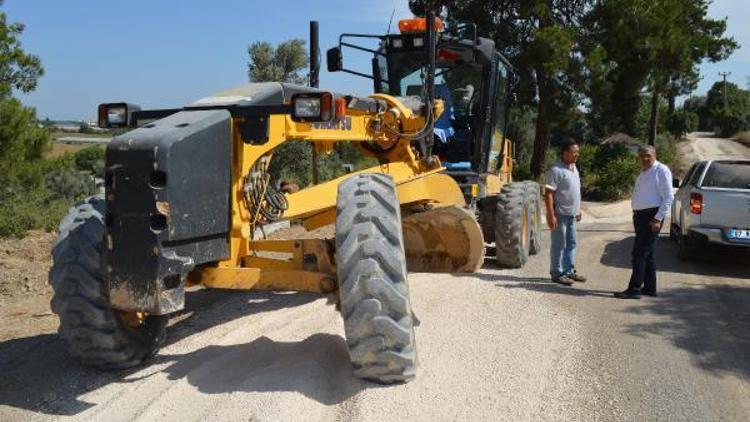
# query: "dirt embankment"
(24, 293)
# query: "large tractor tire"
(101, 337)
(534, 204)
(513, 226)
(486, 217)
(372, 280)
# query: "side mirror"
(113, 115)
(484, 50)
(334, 59)
(675, 182)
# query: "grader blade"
(443, 240)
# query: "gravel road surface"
(497, 345)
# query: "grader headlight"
(313, 107)
(115, 115)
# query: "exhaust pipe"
(314, 81)
(314, 55)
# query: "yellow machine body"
(439, 234)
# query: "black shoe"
(562, 279)
(628, 294)
(649, 293)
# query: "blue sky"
(168, 53)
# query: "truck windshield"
(728, 174)
(459, 86)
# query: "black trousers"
(644, 262)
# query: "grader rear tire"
(486, 218)
(534, 204)
(513, 226)
(95, 333)
(372, 280)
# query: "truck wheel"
(372, 280)
(535, 216)
(513, 226)
(686, 248)
(674, 232)
(101, 337)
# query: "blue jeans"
(563, 248)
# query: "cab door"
(501, 106)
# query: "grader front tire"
(98, 335)
(373, 280)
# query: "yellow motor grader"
(187, 190)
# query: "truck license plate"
(739, 234)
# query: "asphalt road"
(497, 345)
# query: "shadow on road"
(543, 285)
(710, 322)
(39, 375)
(716, 261)
(316, 367)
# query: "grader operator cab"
(187, 189)
(474, 81)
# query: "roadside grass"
(62, 148)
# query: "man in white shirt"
(652, 198)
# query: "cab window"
(501, 101)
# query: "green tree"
(280, 64)
(682, 122)
(22, 141)
(651, 44)
(735, 115)
(34, 192)
(18, 69)
(697, 105)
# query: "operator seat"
(444, 124)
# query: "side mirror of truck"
(675, 182)
(334, 59)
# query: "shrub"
(666, 152)
(71, 184)
(682, 122)
(617, 177)
(90, 159)
(743, 138)
(608, 172)
(31, 209)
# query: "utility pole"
(724, 75)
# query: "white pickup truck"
(712, 206)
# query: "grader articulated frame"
(187, 189)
